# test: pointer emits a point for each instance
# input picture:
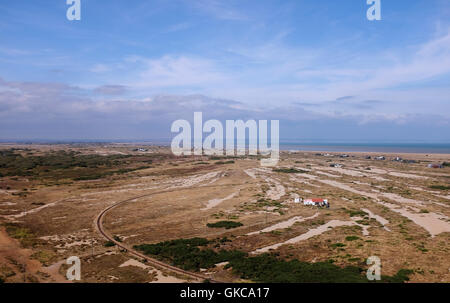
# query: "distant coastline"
(419, 148)
(341, 147)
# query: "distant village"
(382, 158)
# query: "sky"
(128, 69)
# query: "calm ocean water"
(428, 148)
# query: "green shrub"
(193, 254)
(357, 213)
(400, 277)
(69, 165)
(351, 238)
(289, 171)
(440, 187)
(225, 224)
(109, 244)
(268, 269)
(225, 162)
(335, 245)
(189, 254)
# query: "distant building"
(433, 165)
(380, 158)
(336, 165)
(316, 202)
(409, 161)
(368, 157)
(398, 159)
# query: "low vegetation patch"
(440, 187)
(352, 238)
(24, 235)
(194, 254)
(266, 268)
(189, 254)
(225, 224)
(56, 165)
(336, 245)
(356, 213)
(289, 171)
(225, 162)
(109, 244)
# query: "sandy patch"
(160, 277)
(345, 171)
(222, 264)
(7, 204)
(250, 173)
(400, 199)
(404, 175)
(327, 174)
(214, 202)
(284, 224)
(311, 233)
(34, 210)
(380, 219)
(196, 179)
(276, 192)
(431, 222)
(133, 262)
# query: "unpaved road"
(156, 263)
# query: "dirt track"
(154, 262)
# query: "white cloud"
(273, 73)
(218, 9)
(100, 68)
(176, 71)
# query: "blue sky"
(128, 69)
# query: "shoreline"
(283, 149)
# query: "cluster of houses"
(331, 155)
(376, 158)
(313, 202)
(396, 159)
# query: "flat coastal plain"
(51, 197)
